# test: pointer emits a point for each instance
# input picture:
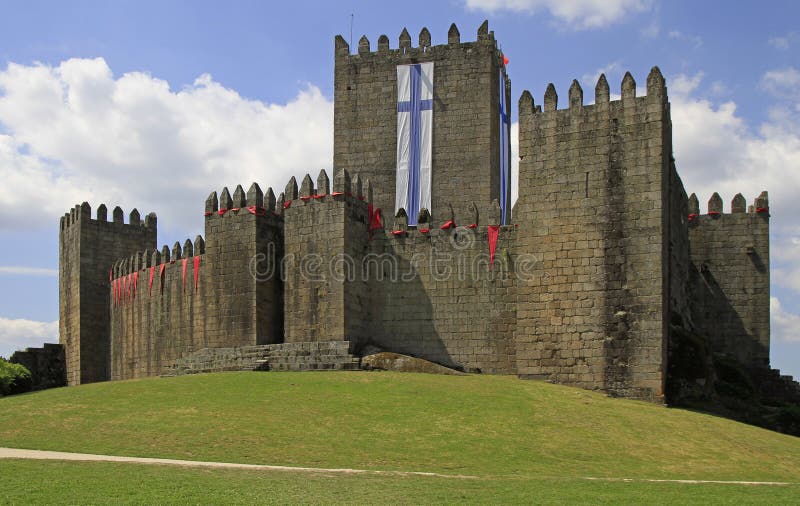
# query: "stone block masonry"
(437, 297)
(730, 277)
(229, 305)
(466, 128)
(87, 250)
(593, 209)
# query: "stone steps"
(778, 387)
(311, 356)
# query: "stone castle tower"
(468, 81)
(586, 281)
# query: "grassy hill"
(526, 441)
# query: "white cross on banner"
(414, 138)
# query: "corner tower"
(470, 146)
(87, 250)
(596, 186)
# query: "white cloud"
(717, 151)
(27, 271)
(695, 40)
(76, 132)
(18, 334)
(719, 89)
(652, 30)
(785, 325)
(590, 80)
(576, 14)
(783, 42)
(782, 83)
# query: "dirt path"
(14, 453)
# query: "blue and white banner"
(505, 155)
(414, 138)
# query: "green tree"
(14, 378)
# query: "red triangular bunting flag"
(196, 271)
(376, 222)
(493, 231)
(183, 273)
(135, 282)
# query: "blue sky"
(153, 104)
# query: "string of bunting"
(124, 287)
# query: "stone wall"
(593, 209)
(439, 300)
(680, 263)
(730, 282)
(152, 326)
(323, 233)
(87, 249)
(233, 304)
(47, 365)
(466, 149)
(243, 234)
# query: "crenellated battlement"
(254, 202)
(345, 188)
(628, 108)
(714, 208)
(406, 51)
(82, 213)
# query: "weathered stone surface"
(386, 361)
(465, 112)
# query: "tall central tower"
(469, 143)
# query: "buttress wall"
(593, 209)
(326, 233)
(87, 249)
(442, 298)
(466, 125)
(730, 277)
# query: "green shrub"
(14, 378)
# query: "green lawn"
(30, 482)
(527, 441)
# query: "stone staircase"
(778, 387)
(311, 356)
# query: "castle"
(584, 282)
